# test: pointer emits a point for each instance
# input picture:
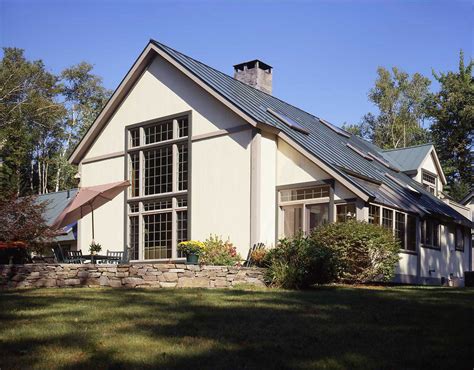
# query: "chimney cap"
(251, 64)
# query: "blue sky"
(324, 53)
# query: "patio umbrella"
(86, 200)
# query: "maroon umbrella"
(86, 200)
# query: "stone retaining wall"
(127, 276)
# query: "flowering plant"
(191, 247)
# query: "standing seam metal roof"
(323, 142)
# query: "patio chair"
(74, 257)
(248, 262)
(114, 257)
(58, 254)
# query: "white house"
(208, 153)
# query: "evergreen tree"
(452, 110)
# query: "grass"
(329, 328)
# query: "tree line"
(410, 114)
(43, 116)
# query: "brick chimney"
(256, 74)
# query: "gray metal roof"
(56, 203)
(322, 140)
(410, 158)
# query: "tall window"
(459, 238)
(411, 233)
(345, 212)
(304, 209)
(374, 214)
(158, 158)
(387, 218)
(430, 233)
(400, 228)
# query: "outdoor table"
(98, 257)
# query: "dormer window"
(429, 181)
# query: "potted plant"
(95, 248)
(192, 249)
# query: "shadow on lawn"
(330, 327)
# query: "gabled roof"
(343, 155)
(56, 203)
(409, 158)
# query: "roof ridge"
(407, 147)
(243, 83)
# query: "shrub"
(362, 252)
(257, 257)
(218, 252)
(299, 262)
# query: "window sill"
(431, 247)
(459, 250)
(406, 251)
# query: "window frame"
(178, 206)
(435, 231)
(406, 242)
(303, 203)
(458, 248)
(428, 185)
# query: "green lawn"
(331, 327)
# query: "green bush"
(362, 252)
(350, 252)
(299, 263)
(219, 252)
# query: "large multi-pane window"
(158, 160)
(411, 233)
(303, 209)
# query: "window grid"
(134, 207)
(134, 174)
(304, 194)
(387, 218)
(374, 214)
(134, 237)
(135, 137)
(158, 170)
(182, 167)
(429, 178)
(400, 228)
(159, 132)
(157, 204)
(157, 230)
(183, 129)
(182, 228)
